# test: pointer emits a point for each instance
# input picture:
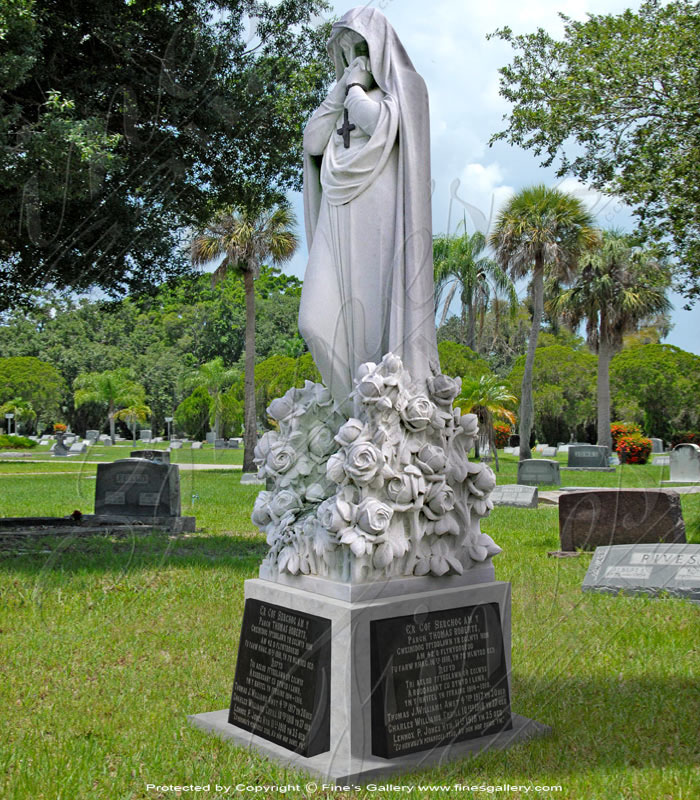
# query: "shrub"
(633, 448)
(15, 442)
(618, 429)
(685, 437)
(502, 434)
(194, 412)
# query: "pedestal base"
(353, 690)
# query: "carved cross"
(344, 131)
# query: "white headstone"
(685, 463)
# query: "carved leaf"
(383, 556)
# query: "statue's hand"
(359, 72)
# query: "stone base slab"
(588, 469)
(362, 770)
(352, 751)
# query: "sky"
(446, 40)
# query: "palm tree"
(215, 378)
(243, 239)
(619, 287)
(132, 414)
(488, 398)
(460, 264)
(540, 231)
(115, 389)
(22, 409)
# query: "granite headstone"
(599, 517)
(536, 471)
(157, 456)
(92, 436)
(657, 445)
(588, 456)
(145, 435)
(136, 487)
(650, 569)
(514, 494)
(685, 463)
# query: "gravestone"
(588, 456)
(515, 495)
(136, 487)
(157, 456)
(540, 447)
(536, 471)
(657, 445)
(77, 449)
(175, 445)
(549, 452)
(251, 479)
(69, 439)
(145, 435)
(685, 463)
(219, 444)
(514, 440)
(661, 461)
(105, 441)
(92, 436)
(210, 437)
(563, 448)
(650, 569)
(234, 443)
(196, 445)
(614, 460)
(600, 517)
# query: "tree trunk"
(471, 322)
(605, 354)
(111, 423)
(250, 436)
(527, 409)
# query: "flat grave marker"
(513, 494)
(650, 569)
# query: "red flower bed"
(502, 434)
(618, 429)
(633, 448)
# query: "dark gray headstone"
(105, 441)
(657, 445)
(145, 435)
(651, 569)
(92, 436)
(219, 444)
(210, 437)
(234, 443)
(437, 679)
(600, 517)
(685, 463)
(588, 455)
(537, 471)
(157, 456)
(136, 487)
(282, 688)
(514, 495)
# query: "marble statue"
(368, 288)
(370, 475)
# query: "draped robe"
(368, 287)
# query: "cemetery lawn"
(108, 643)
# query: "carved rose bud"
(373, 516)
(261, 514)
(439, 500)
(349, 431)
(444, 389)
(314, 493)
(335, 470)
(371, 387)
(281, 407)
(336, 514)
(431, 459)
(406, 488)
(283, 502)
(280, 459)
(485, 479)
(417, 413)
(320, 441)
(391, 364)
(363, 463)
(262, 448)
(469, 424)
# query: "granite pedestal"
(379, 679)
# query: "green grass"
(108, 643)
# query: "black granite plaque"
(282, 688)
(437, 678)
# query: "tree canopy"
(124, 124)
(616, 101)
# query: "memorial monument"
(376, 638)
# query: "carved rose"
(431, 459)
(349, 431)
(439, 500)
(371, 387)
(280, 459)
(320, 441)
(314, 493)
(363, 463)
(417, 413)
(283, 502)
(262, 448)
(469, 424)
(444, 389)
(261, 514)
(281, 407)
(485, 479)
(373, 516)
(407, 488)
(335, 514)
(335, 468)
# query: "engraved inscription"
(115, 498)
(666, 559)
(149, 499)
(281, 691)
(691, 574)
(628, 572)
(437, 679)
(130, 477)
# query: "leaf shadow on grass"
(122, 553)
